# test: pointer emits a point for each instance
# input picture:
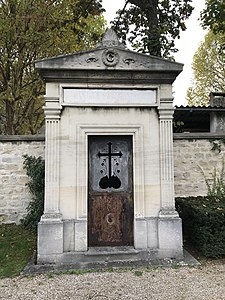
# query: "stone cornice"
(122, 77)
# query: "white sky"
(187, 44)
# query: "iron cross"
(110, 154)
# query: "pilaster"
(52, 111)
(50, 227)
(169, 224)
(166, 111)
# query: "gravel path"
(203, 282)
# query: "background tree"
(152, 25)
(213, 16)
(209, 69)
(32, 29)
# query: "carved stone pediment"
(110, 39)
(110, 54)
(109, 62)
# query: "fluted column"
(52, 116)
(166, 158)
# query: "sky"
(187, 45)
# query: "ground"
(206, 281)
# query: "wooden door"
(110, 194)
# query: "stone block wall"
(196, 157)
(194, 160)
(14, 196)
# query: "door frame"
(81, 134)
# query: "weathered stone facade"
(102, 94)
(193, 156)
(14, 195)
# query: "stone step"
(112, 250)
(104, 254)
(91, 261)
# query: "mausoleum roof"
(110, 55)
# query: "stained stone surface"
(109, 91)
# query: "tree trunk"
(150, 9)
(9, 128)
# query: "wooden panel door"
(110, 194)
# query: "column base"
(50, 238)
(170, 235)
(168, 213)
(51, 217)
(140, 233)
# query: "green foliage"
(35, 168)
(209, 69)
(216, 187)
(204, 217)
(213, 16)
(177, 126)
(152, 26)
(204, 224)
(30, 30)
(216, 146)
(138, 273)
(17, 245)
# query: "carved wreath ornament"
(110, 57)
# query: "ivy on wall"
(35, 169)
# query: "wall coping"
(198, 135)
(176, 136)
(22, 138)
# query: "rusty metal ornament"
(110, 218)
(110, 181)
(110, 57)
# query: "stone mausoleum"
(109, 184)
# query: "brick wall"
(193, 156)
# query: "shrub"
(204, 224)
(35, 168)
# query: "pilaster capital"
(166, 108)
(52, 108)
(166, 102)
(52, 113)
(166, 114)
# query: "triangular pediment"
(110, 55)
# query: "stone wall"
(14, 196)
(194, 160)
(196, 157)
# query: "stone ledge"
(22, 138)
(176, 136)
(198, 135)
